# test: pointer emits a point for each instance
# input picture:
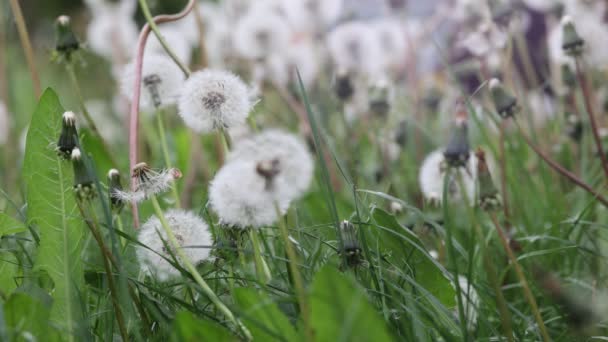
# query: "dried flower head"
(504, 102)
(457, 150)
(161, 80)
(289, 155)
(83, 180)
(434, 172)
(114, 185)
(214, 99)
(68, 139)
(147, 182)
(243, 197)
(572, 43)
(192, 234)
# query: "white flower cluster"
(263, 174)
(192, 234)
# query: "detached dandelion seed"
(191, 232)
(214, 99)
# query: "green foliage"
(52, 210)
(27, 317)
(9, 225)
(187, 328)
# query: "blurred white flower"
(109, 126)
(470, 301)
(433, 174)
(260, 32)
(176, 40)
(353, 47)
(148, 182)
(191, 232)
(4, 124)
(312, 15)
(486, 39)
(390, 33)
(241, 197)
(112, 32)
(542, 5)
(219, 43)
(295, 162)
(160, 82)
(214, 99)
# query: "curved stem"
(197, 277)
(522, 280)
(27, 45)
(134, 111)
(561, 170)
(165, 150)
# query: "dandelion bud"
(456, 152)
(66, 42)
(489, 199)
(396, 208)
(114, 185)
(351, 249)
(68, 139)
(214, 99)
(83, 180)
(504, 102)
(343, 86)
(572, 43)
(379, 102)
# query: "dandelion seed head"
(242, 197)
(148, 182)
(353, 47)
(214, 99)
(432, 176)
(312, 15)
(191, 232)
(291, 154)
(161, 81)
(112, 32)
(260, 32)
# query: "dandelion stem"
(589, 108)
(165, 150)
(503, 171)
(27, 45)
(146, 11)
(560, 169)
(297, 277)
(134, 110)
(197, 277)
(261, 268)
(522, 279)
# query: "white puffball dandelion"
(214, 99)
(260, 32)
(161, 80)
(112, 32)
(148, 182)
(191, 232)
(433, 174)
(353, 47)
(295, 162)
(313, 15)
(177, 41)
(242, 197)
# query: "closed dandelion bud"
(114, 186)
(456, 153)
(68, 139)
(343, 86)
(351, 249)
(489, 199)
(83, 180)
(66, 42)
(379, 99)
(572, 43)
(504, 102)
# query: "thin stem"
(201, 35)
(92, 223)
(134, 111)
(589, 108)
(503, 171)
(297, 277)
(27, 46)
(561, 170)
(160, 125)
(261, 268)
(522, 279)
(146, 11)
(193, 271)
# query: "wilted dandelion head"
(147, 182)
(292, 160)
(161, 80)
(214, 99)
(434, 172)
(191, 232)
(260, 32)
(245, 193)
